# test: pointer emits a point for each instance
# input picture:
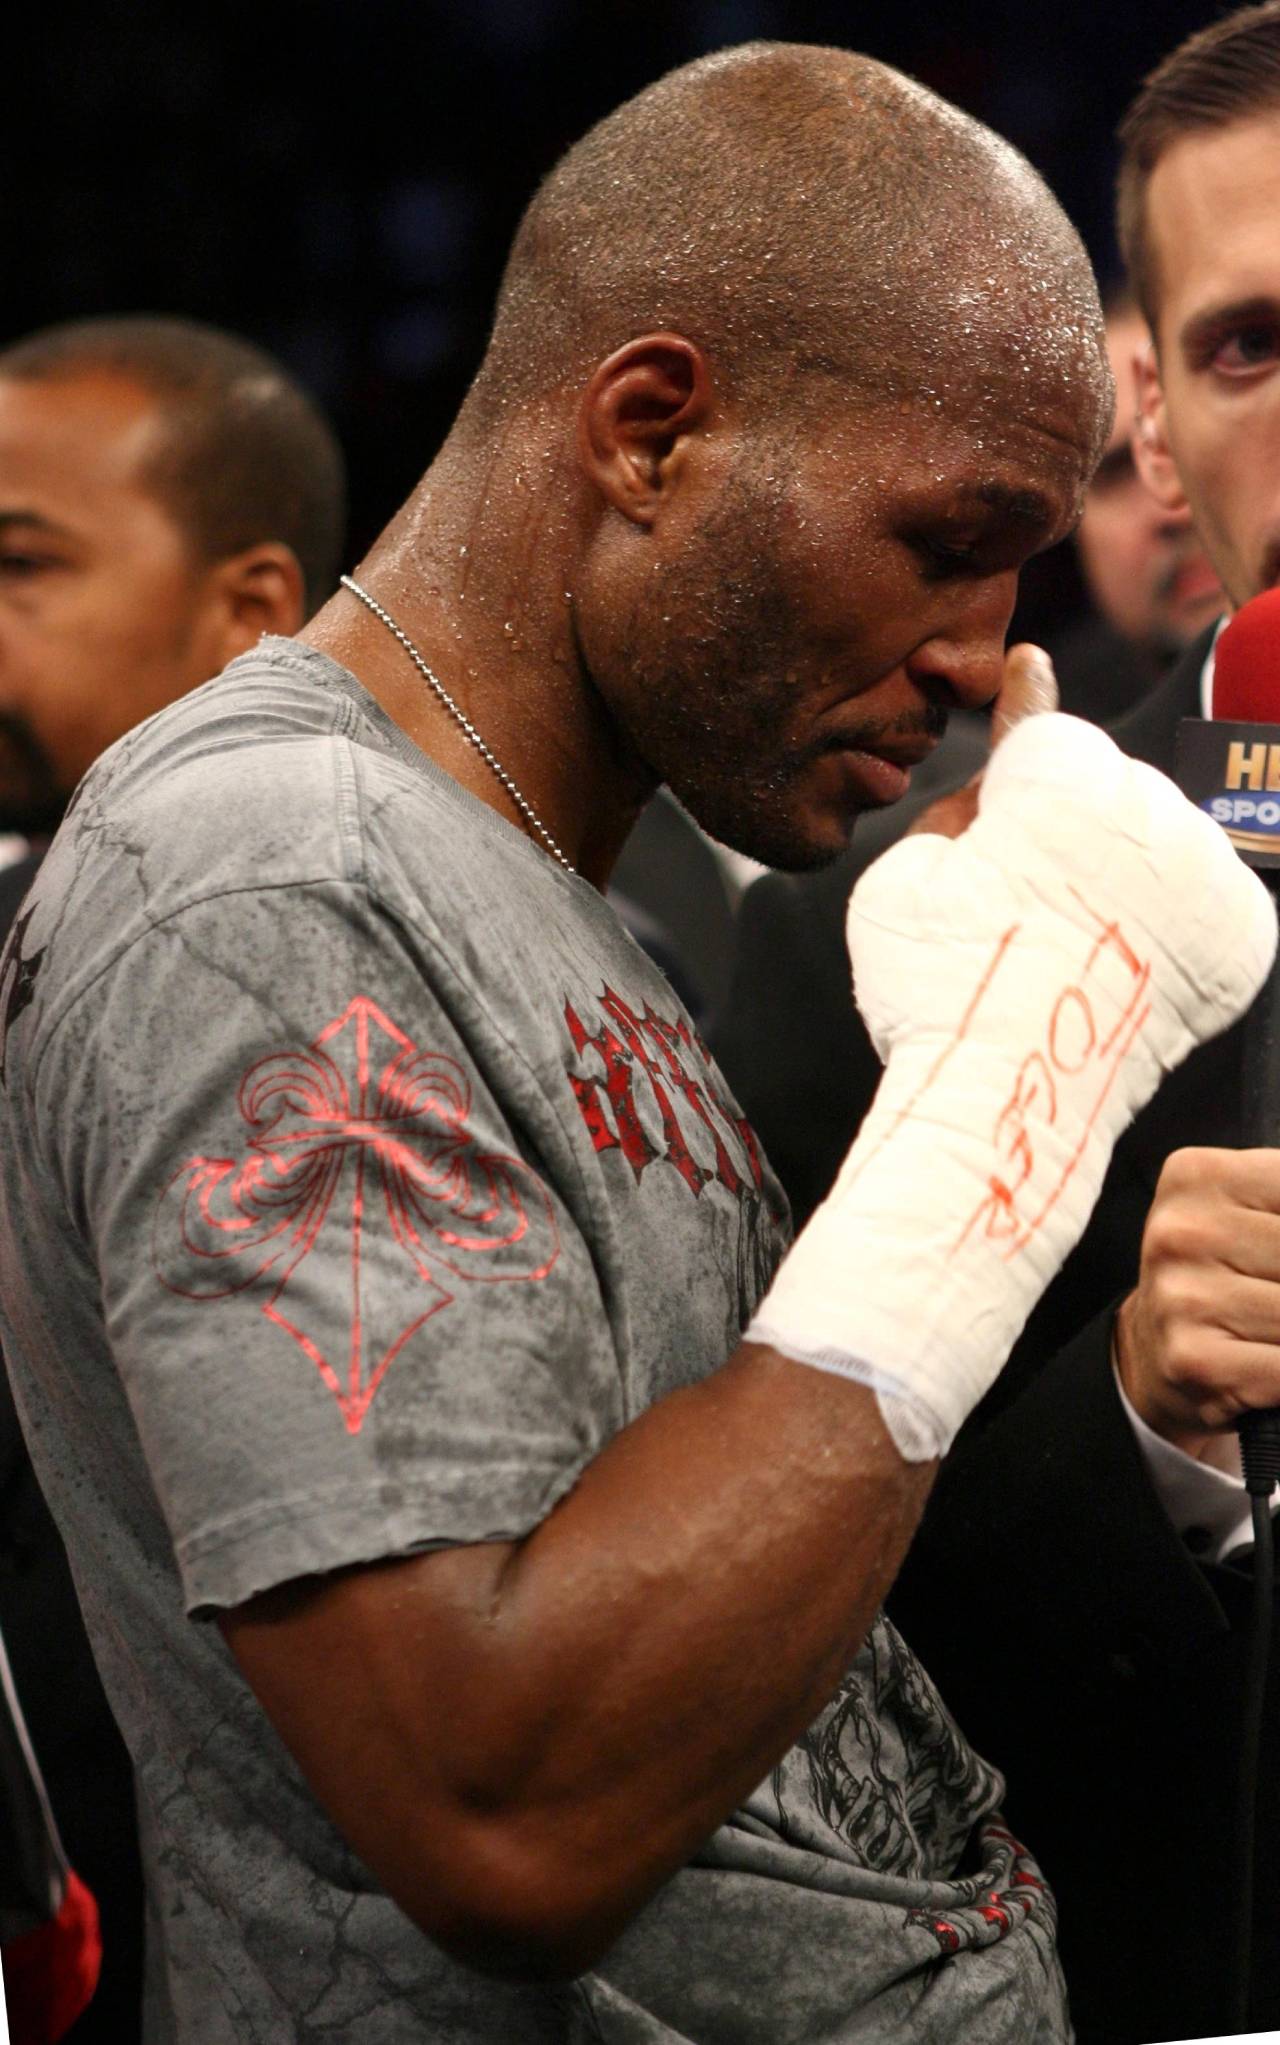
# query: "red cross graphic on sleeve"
(361, 1134)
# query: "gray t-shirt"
(359, 1179)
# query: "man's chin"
(788, 845)
(796, 825)
(807, 858)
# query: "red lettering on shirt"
(632, 1058)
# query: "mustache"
(927, 722)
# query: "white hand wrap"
(1027, 984)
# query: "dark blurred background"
(339, 179)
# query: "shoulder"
(280, 771)
(253, 791)
(215, 770)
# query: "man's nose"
(966, 654)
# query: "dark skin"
(707, 1582)
(710, 1577)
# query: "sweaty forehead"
(1009, 340)
(1023, 457)
(1015, 416)
(1212, 202)
(83, 440)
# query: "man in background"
(1081, 1585)
(167, 495)
(1151, 586)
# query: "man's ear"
(258, 590)
(637, 415)
(1152, 455)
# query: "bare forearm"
(689, 1608)
(586, 1706)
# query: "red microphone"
(1246, 664)
(1229, 764)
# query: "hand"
(1198, 1342)
(1027, 985)
(1029, 689)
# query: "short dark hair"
(247, 455)
(1223, 73)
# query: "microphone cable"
(1260, 1455)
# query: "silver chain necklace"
(526, 809)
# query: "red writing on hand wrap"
(1089, 1024)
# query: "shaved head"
(793, 367)
(793, 210)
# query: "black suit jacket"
(1075, 1636)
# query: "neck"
(477, 571)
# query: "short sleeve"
(351, 1314)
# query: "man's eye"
(1245, 349)
(14, 563)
